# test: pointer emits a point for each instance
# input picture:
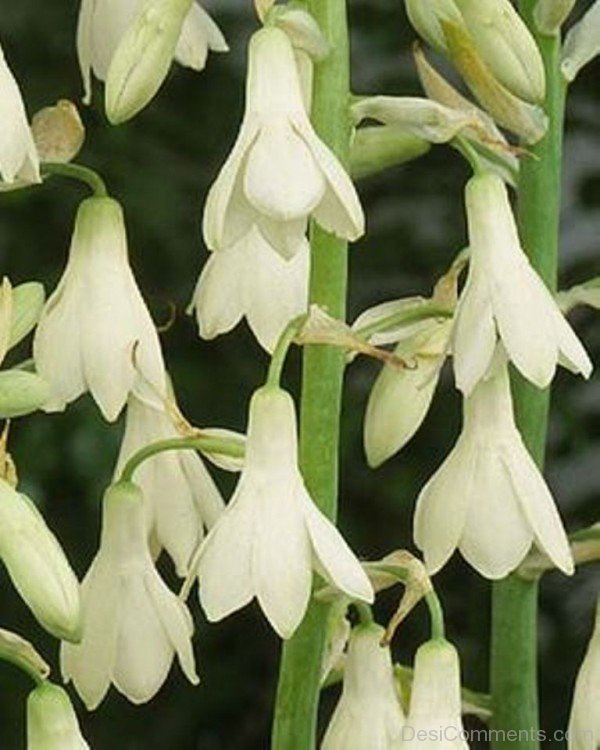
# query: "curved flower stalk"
(279, 173)
(104, 24)
(181, 499)
(504, 297)
(400, 398)
(133, 625)
(488, 498)
(434, 717)
(584, 723)
(250, 279)
(37, 565)
(51, 720)
(95, 333)
(369, 715)
(19, 162)
(272, 535)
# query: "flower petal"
(199, 34)
(497, 535)
(539, 508)
(443, 505)
(218, 300)
(335, 558)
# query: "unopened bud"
(21, 393)
(58, 132)
(524, 119)
(549, 15)
(377, 148)
(51, 720)
(582, 43)
(143, 58)
(302, 29)
(427, 17)
(37, 565)
(6, 303)
(506, 46)
(27, 305)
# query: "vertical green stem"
(514, 621)
(299, 680)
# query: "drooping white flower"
(37, 565)
(582, 43)
(504, 297)
(369, 715)
(400, 398)
(19, 161)
(252, 280)
(181, 499)
(279, 173)
(51, 720)
(584, 723)
(104, 23)
(488, 498)
(133, 625)
(434, 717)
(95, 333)
(271, 536)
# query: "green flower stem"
(364, 612)
(436, 616)
(77, 172)
(222, 446)
(281, 350)
(514, 621)
(300, 673)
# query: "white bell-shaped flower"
(181, 499)
(51, 720)
(584, 724)
(505, 297)
(252, 280)
(103, 24)
(37, 565)
(271, 536)
(19, 161)
(133, 625)
(434, 717)
(279, 173)
(369, 715)
(95, 333)
(489, 498)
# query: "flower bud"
(21, 393)
(37, 565)
(377, 148)
(51, 720)
(549, 15)
(427, 17)
(58, 132)
(506, 46)
(303, 31)
(143, 58)
(582, 43)
(27, 303)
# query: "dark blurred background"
(160, 166)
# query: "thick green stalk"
(299, 679)
(514, 622)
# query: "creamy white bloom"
(51, 721)
(18, 156)
(488, 498)
(133, 625)
(582, 43)
(434, 717)
(252, 280)
(95, 333)
(400, 398)
(181, 499)
(369, 715)
(272, 535)
(37, 565)
(279, 173)
(584, 723)
(104, 23)
(504, 297)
